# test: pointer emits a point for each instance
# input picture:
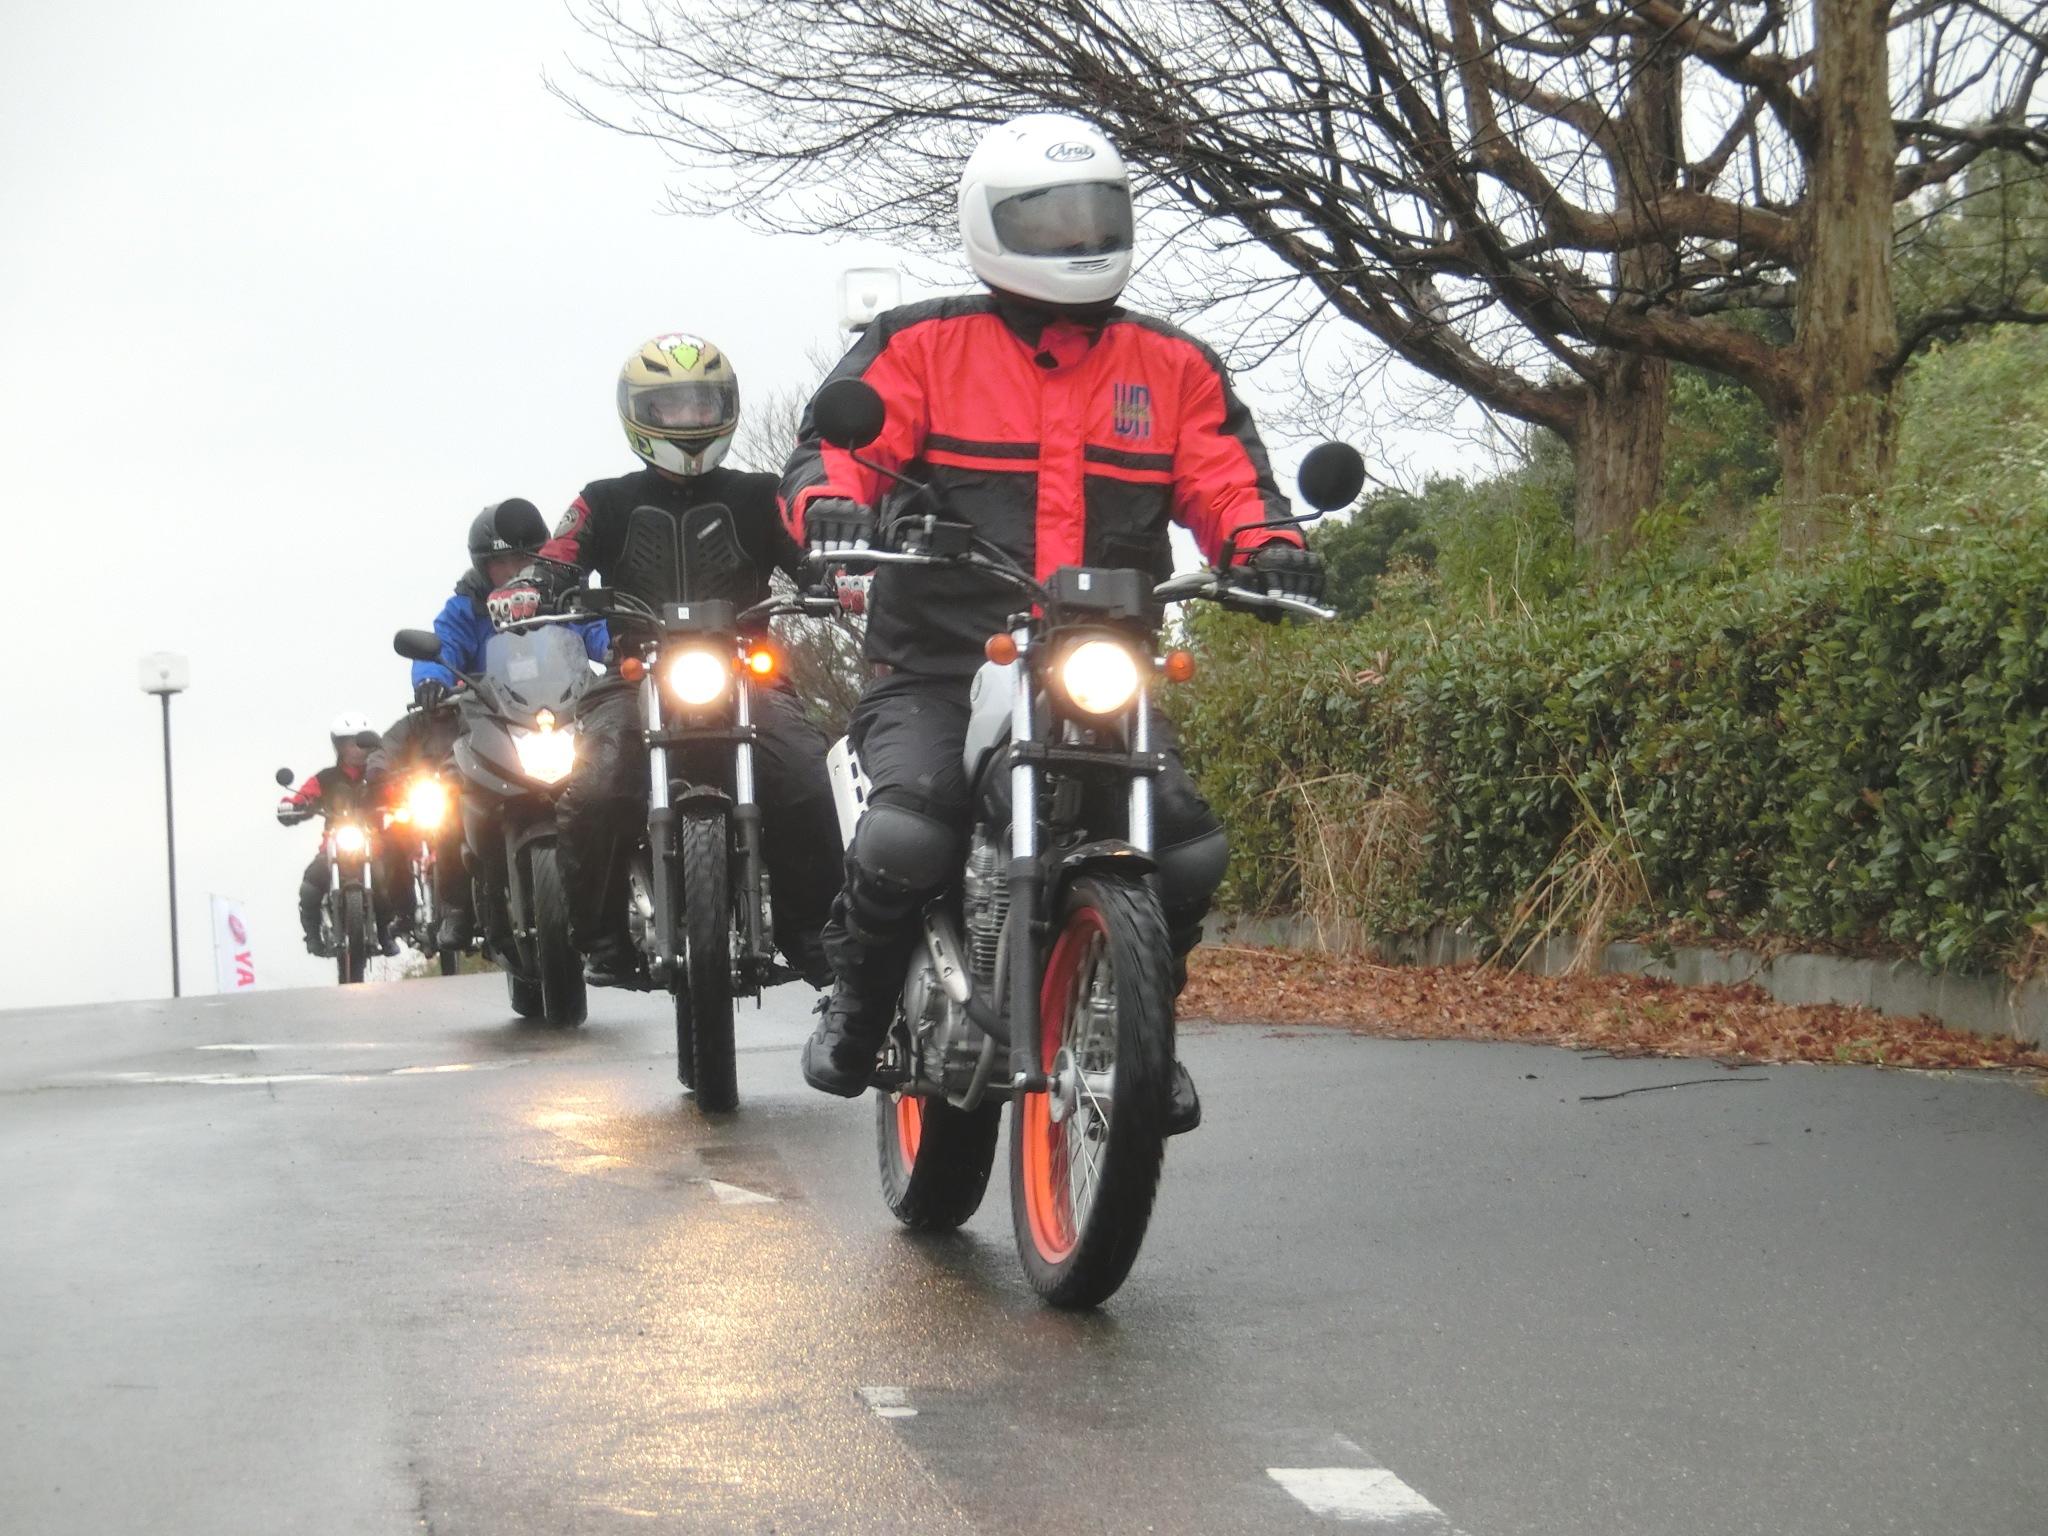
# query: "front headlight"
(350, 838)
(1099, 677)
(545, 755)
(426, 803)
(698, 677)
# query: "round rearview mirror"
(1331, 476)
(417, 644)
(848, 413)
(284, 777)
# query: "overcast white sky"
(287, 292)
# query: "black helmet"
(512, 527)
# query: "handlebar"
(1210, 584)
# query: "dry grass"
(1625, 1015)
(1358, 847)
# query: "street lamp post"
(864, 292)
(163, 674)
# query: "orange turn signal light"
(1001, 649)
(761, 661)
(1180, 666)
(632, 669)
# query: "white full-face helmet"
(1045, 212)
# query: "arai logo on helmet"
(1069, 151)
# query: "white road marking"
(1361, 1496)
(732, 1194)
(305, 1045)
(888, 1402)
(263, 1079)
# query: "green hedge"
(1853, 753)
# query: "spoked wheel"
(934, 1158)
(563, 998)
(352, 934)
(1084, 1157)
(705, 1057)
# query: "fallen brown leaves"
(1625, 1015)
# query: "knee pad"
(901, 855)
(1189, 872)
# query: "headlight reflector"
(349, 838)
(1099, 677)
(698, 677)
(545, 755)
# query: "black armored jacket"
(714, 536)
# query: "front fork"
(1027, 876)
(659, 838)
(746, 817)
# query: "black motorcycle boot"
(614, 961)
(456, 931)
(839, 1058)
(1184, 1105)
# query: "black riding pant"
(388, 877)
(603, 812)
(910, 731)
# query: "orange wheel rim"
(909, 1128)
(1048, 1201)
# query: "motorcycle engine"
(985, 900)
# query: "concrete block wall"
(1984, 1005)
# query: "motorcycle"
(421, 808)
(1045, 978)
(517, 747)
(698, 898)
(348, 918)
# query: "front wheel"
(450, 962)
(1085, 1156)
(934, 1158)
(705, 1058)
(563, 998)
(351, 934)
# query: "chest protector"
(691, 556)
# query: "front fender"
(1109, 856)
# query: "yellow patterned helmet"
(679, 401)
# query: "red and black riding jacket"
(1063, 444)
(332, 791)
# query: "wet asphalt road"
(393, 1263)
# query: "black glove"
(429, 692)
(834, 525)
(1287, 570)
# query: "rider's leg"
(603, 798)
(312, 891)
(908, 731)
(451, 891)
(1192, 853)
(799, 828)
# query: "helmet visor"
(692, 405)
(1085, 218)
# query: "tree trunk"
(1837, 435)
(1618, 454)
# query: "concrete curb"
(1983, 1005)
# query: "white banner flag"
(234, 969)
